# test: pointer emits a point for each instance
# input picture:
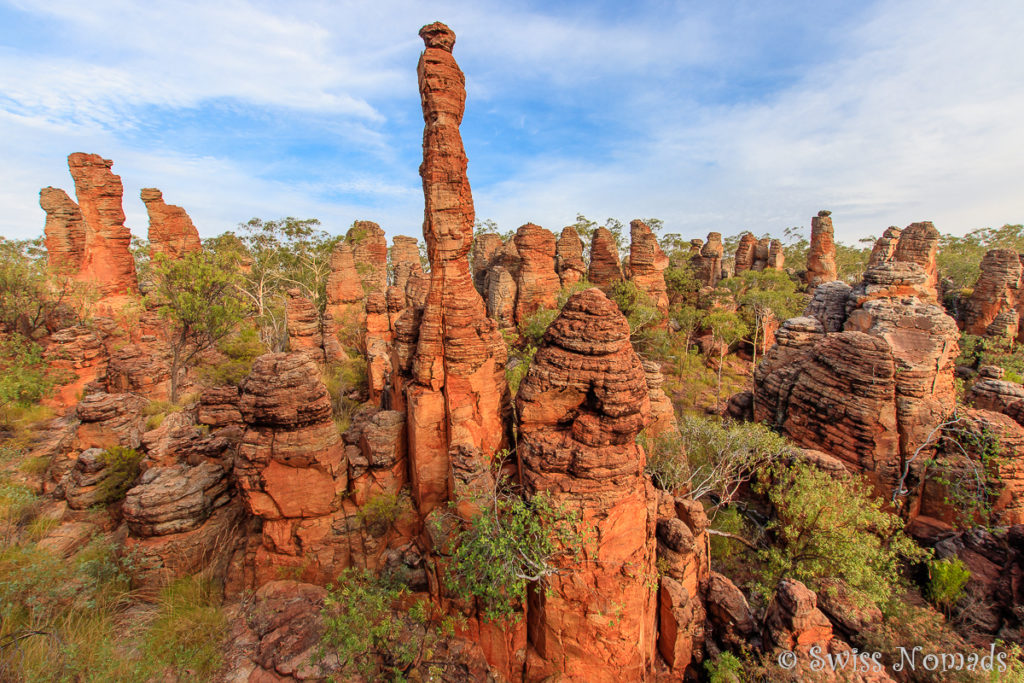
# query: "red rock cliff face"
(171, 232)
(65, 230)
(821, 259)
(580, 408)
(107, 260)
(707, 262)
(745, 252)
(458, 381)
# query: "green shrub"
(533, 328)
(380, 512)
(24, 375)
(826, 527)
(666, 460)
(511, 543)
(347, 384)
(726, 668)
(122, 468)
(240, 350)
(946, 581)
(372, 637)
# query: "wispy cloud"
(712, 117)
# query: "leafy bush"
(721, 457)
(240, 351)
(24, 378)
(369, 633)
(666, 460)
(726, 668)
(347, 384)
(511, 543)
(381, 511)
(826, 527)
(122, 468)
(946, 581)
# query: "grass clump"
(185, 635)
(122, 468)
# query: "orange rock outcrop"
(582, 403)
(171, 232)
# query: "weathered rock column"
(580, 408)
(821, 259)
(458, 380)
(171, 231)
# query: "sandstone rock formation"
(291, 467)
(587, 369)
(995, 305)
(870, 384)
(821, 259)
(171, 232)
(485, 250)
(537, 283)
(745, 252)
(569, 257)
(304, 331)
(370, 252)
(64, 229)
(884, 248)
(919, 243)
(647, 264)
(707, 264)
(458, 381)
(605, 267)
(107, 259)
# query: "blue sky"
(711, 116)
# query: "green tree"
(279, 255)
(34, 296)
(826, 527)
(764, 296)
(24, 378)
(198, 298)
(959, 258)
(511, 543)
(727, 328)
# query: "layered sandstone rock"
(537, 283)
(992, 309)
(569, 257)
(458, 381)
(979, 446)
(821, 259)
(107, 259)
(707, 264)
(991, 392)
(745, 252)
(485, 252)
(64, 230)
(370, 252)
(663, 414)
(291, 467)
(605, 267)
(304, 332)
(776, 256)
(919, 243)
(868, 377)
(884, 248)
(379, 337)
(344, 309)
(171, 232)
(647, 264)
(580, 407)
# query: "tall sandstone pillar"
(821, 259)
(580, 408)
(107, 260)
(171, 231)
(458, 381)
